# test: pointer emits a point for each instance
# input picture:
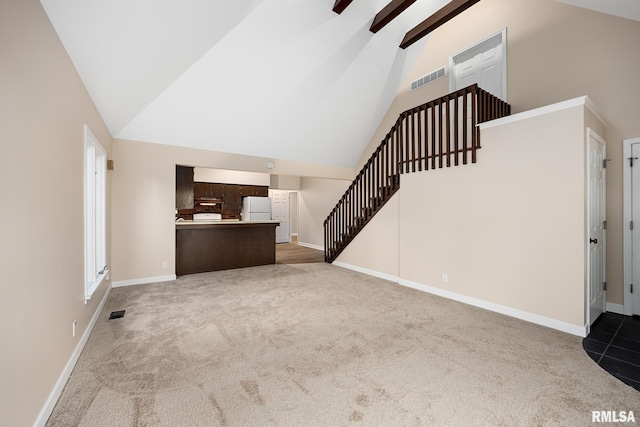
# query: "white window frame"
(95, 246)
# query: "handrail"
(424, 137)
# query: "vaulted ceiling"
(282, 79)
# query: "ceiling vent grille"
(433, 76)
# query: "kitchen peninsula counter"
(203, 246)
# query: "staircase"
(442, 132)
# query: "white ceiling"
(623, 8)
(282, 79)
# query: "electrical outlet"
(75, 326)
(445, 278)
(164, 264)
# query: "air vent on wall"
(434, 75)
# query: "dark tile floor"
(614, 344)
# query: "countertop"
(224, 223)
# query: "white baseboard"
(309, 245)
(47, 409)
(143, 281)
(569, 328)
(363, 270)
(615, 308)
(294, 234)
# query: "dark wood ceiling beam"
(388, 14)
(341, 5)
(450, 11)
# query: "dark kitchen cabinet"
(199, 190)
(208, 190)
(217, 190)
(227, 197)
(232, 198)
(212, 247)
(262, 191)
(254, 190)
(184, 187)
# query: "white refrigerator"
(256, 208)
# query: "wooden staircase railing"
(441, 132)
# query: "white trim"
(627, 235)
(569, 328)
(95, 213)
(92, 288)
(366, 271)
(47, 409)
(143, 281)
(595, 110)
(547, 109)
(592, 134)
(615, 308)
(503, 38)
(312, 246)
(294, 234)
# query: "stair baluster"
(420, 134)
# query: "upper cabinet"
(184, 187)
(208, 190)
(232, 198)
(254, 190)
(225, 199)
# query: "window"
(95, 254)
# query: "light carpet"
(315, 344)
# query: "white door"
(596, 207)
(280, 212)
(483, 63)
(635, 218)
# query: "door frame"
(280, 193)
(627, 235)
(294, 194)
(590, 133)
(502, 34)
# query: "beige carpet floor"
(317, 345)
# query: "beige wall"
(43, 108)
(509, 229)
(293, 207)
(144, 201)
(316, 198)
(377, 246)
(230, 177)
(285, 182)
(555, 52)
